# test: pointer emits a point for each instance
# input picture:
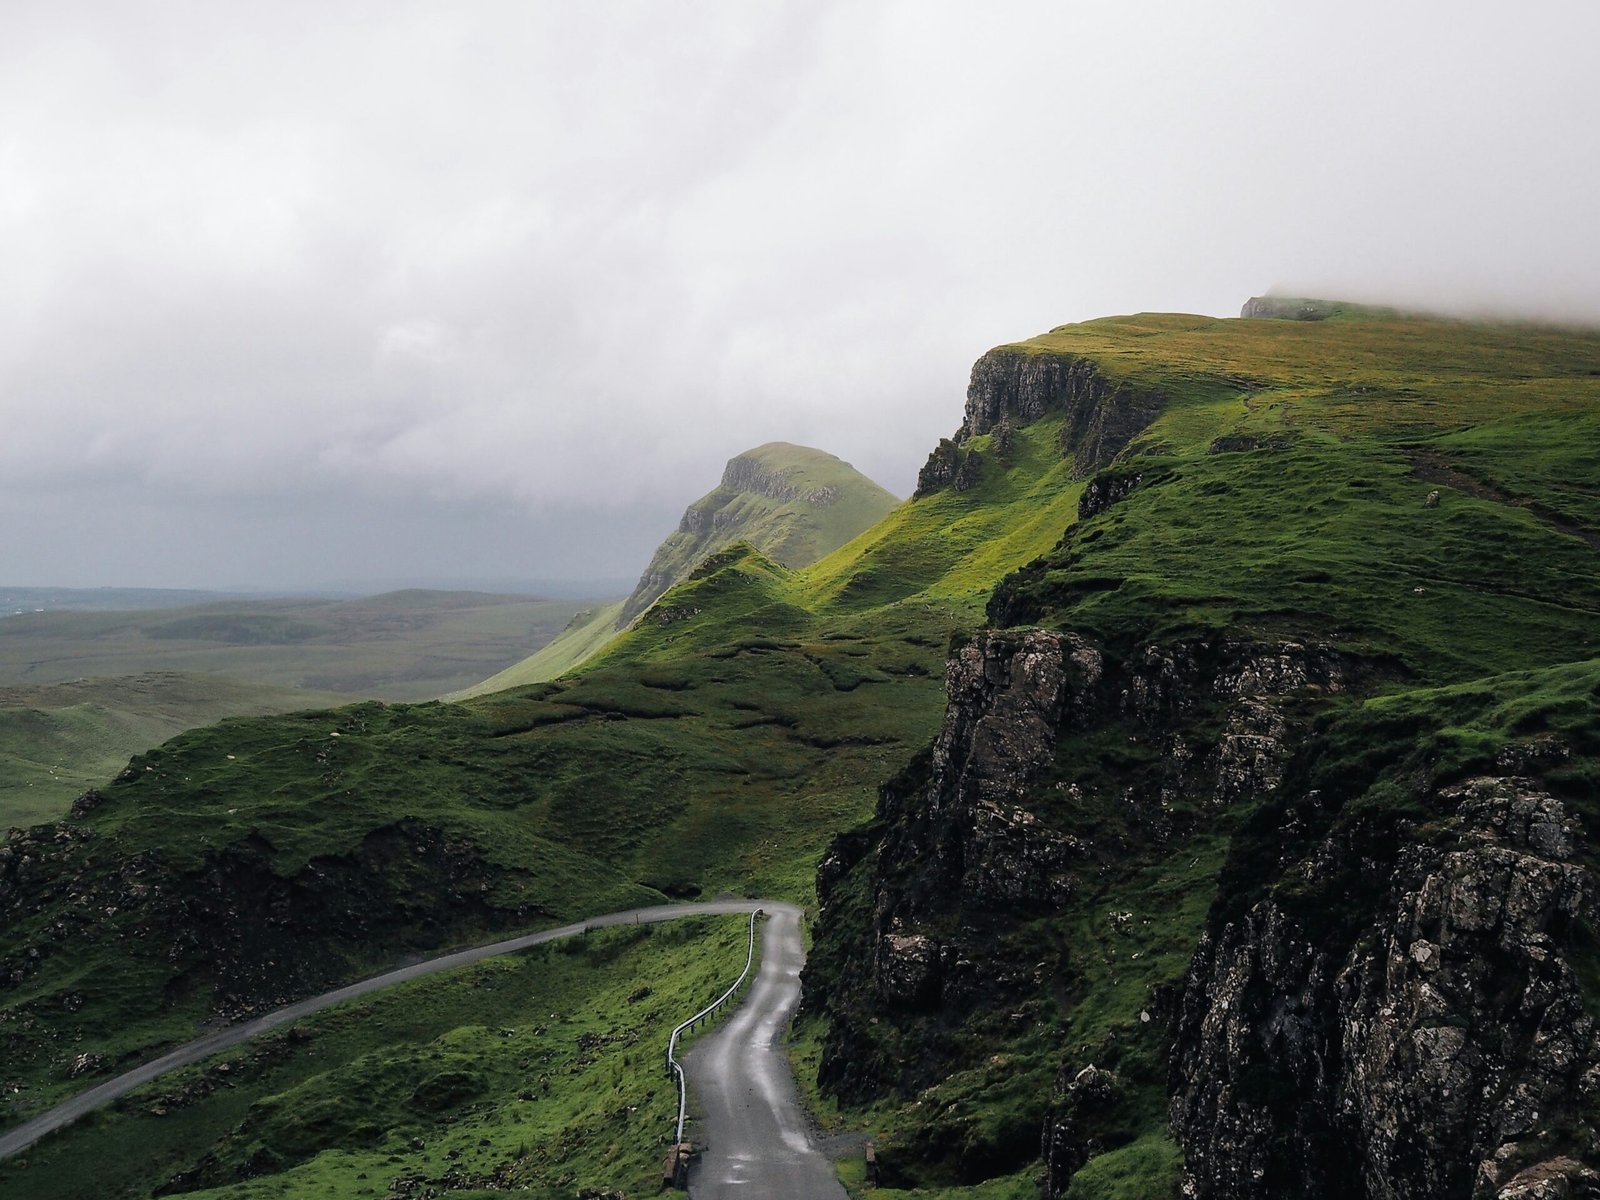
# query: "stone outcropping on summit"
(1012, 386)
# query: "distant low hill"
(15, 600)
(404, 645)
(793, 503)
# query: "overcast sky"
(297, 294)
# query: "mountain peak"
(793, 503)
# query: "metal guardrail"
(674, 1067)
(17, 1139)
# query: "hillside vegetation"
(1252, 583)
(792, 503)
(95, 676)
(1348, 566)
(520, 1074)
(585, 635)
(58, 740)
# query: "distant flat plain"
(84, 688)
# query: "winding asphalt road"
(24, 1135)
(755, 1138)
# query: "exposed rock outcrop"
(236, 930)
(1386, 1003)
(745, 474)
(979, 834)
(940, 469)
(1011, 387)
(1286, 308)
(1070, 1137)
(1104, 491)
(1443, 1049)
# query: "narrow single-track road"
(16, 1140)
(757, 1141)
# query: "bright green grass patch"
(588, 633)
(1448, 733)
(954, 545)
(540, 1071)
(1148, 1169)
(1022, 1186)
(1553, 458)
(1321, 535)
(1381, 373)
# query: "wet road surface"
(16, 1140)
(748, 1117)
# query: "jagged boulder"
(1104, 491)
(1071, 1135)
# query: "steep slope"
(717, 744)
(792, 503)
(1243, 824)
(1211, 671)
(584, 637)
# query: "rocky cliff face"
(1440, 1048)
(1386, 1002)
(1285, 308)
(989, 833)
(1012, 387)
(1193, 906)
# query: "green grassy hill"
(1386, 494)
(792, 503)
(1163, 486)
(93, 677)
(58, 740)
(581, 640)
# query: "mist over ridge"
(405, 291)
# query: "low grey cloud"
(351, 291)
